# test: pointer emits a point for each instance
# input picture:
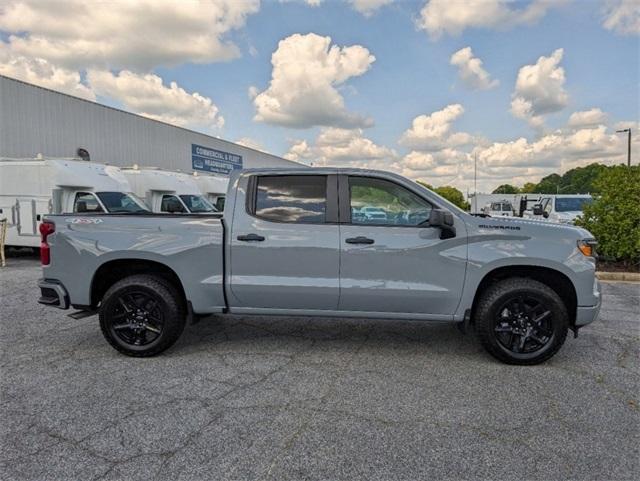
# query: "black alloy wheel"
(524, 324)
(142, 315)
(521, 321)
(136, 318)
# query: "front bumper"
(588, 314)
(53, 293)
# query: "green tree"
(549, 184)
(428, 186)
(614, 216)
(452, 194)
(581, 179)
(506, 189)
(528, 188)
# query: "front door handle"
(250, 238)
(359, 240)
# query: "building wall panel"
(35, 120)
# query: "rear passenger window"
(292, 198)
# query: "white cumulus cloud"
(470, 70)
(438, 159)
(557, 151)
(137, 34)
(368, 7)
(539, 89)
(251, 143)
(42, 73)
(336, 146)
(622, 16)
(146, 95)
(587, 118)
(438, 17)
(434, 131)
(303, 91)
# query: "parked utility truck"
(167, 192)
(562, 209)
(289, 243)
(213, 187)
(32, 188)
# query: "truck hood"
(568, 216)
(529, 227)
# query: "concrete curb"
(618, 276)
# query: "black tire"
(142, 315)
(517, 308)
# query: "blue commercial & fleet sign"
(211, 160)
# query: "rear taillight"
(46, 229)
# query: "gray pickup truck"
(303, 242)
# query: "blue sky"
(411, 77)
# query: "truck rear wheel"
(142, 315)
(521, 321)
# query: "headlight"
(588, 247)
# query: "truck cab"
(33, 188)
(213, 188)
(168, 192)
(499, 209)
(561, 209)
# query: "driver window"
(381, 202)
(86, 202)
(171, 204)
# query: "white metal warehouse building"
(35, 120)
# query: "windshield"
(197, 203)
(568, 204)
(122, 202)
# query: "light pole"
(628, 144)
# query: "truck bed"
(191, 245)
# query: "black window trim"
(345, 207)
(331, 215)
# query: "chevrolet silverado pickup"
(293, 242)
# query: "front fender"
(490, 251)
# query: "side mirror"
(537, 209)
(443, 219)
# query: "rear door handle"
(359, 240)
(250, 238)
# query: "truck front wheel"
(142, 315)
(521, 321)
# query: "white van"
(502, 208)
(562, 209)
(213, 187)
(166, 191)
(31, 188)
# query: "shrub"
(614, 216)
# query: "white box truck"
(166, 191)
(31, 188)
(213, 187)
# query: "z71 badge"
(83, 220)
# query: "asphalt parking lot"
(276, 399)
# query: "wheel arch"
(552, 278)
(112, 271)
